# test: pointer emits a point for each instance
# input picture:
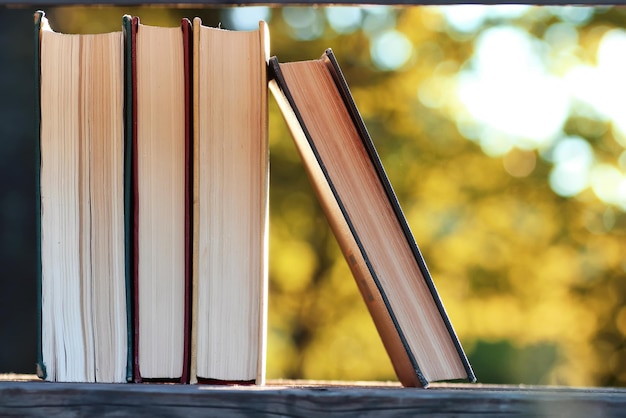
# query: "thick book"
(230, 204)
(367, 221)
(160, 119)
(81, 257)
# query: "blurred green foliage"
(534, 281)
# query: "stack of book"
(153, 181)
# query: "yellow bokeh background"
(534, 281)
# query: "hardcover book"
(368, 223)
(230, 212)
(160, 120)
(83, 315)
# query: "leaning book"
(83, 316)
(368, 223)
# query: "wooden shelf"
(43, 399)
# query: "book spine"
(128, 186)
(188, 68)
(39, 21)
(134, 192)
(195, 196)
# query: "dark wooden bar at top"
(215, 3)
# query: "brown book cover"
(348, 219)
(136, 202)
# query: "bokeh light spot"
(390, 50)
(572, 158)
(306, 23)
(344, 19)
(247, 18)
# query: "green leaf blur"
(529, 259)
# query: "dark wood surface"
(44, 399)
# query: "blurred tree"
(531, 277)
(502, 132)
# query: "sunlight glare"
(610, 73)
(573, 159)
(467, 18)
(502, 86)
(609, 184)
(576, 15)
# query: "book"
(81, 257)
(230, 204)
(154, 126)
(160, 120)
(368, 223)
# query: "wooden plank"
(42, 399)
(197, 3)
